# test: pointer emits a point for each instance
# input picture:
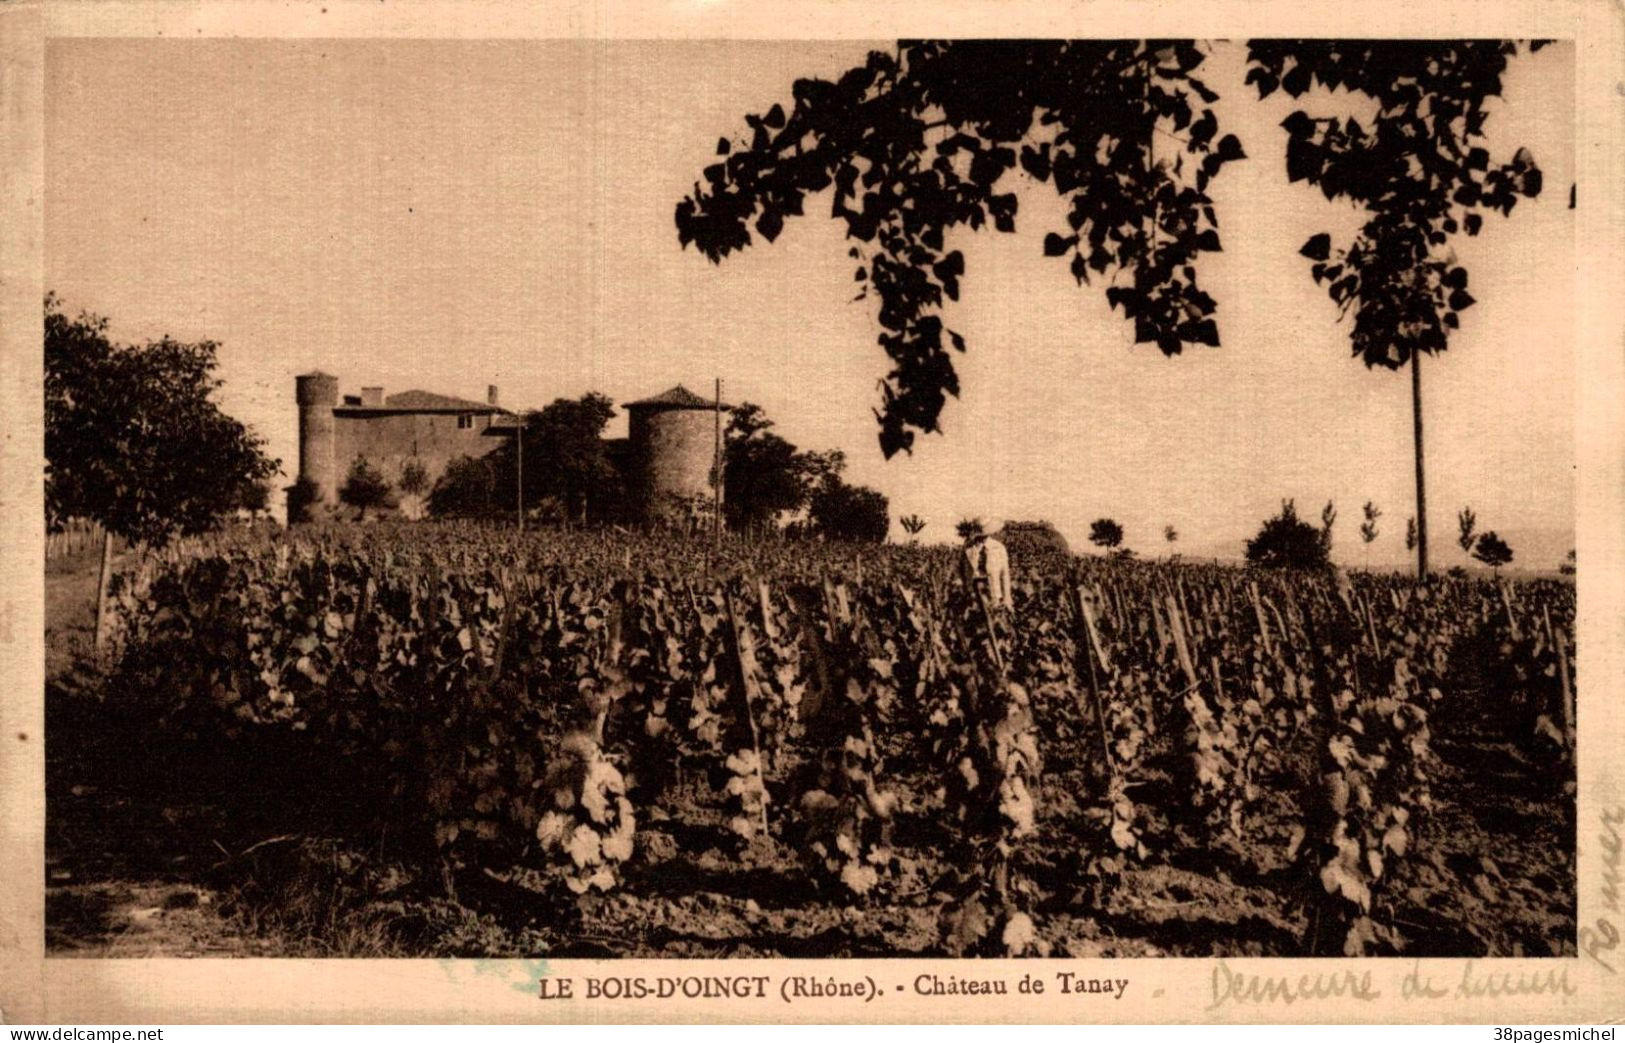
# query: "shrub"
(1287, 541)
(1026, 538)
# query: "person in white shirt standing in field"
(987, 558)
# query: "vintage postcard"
(780, 512)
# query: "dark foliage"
(1287, 541)
(133, 439)
(365, 487)
(766, 474)
(927, 138)
(471, 488)
(414, 478)
(849, 512)
(1104, 532)
(565, 457)
(1493, 551)
(303, 496)
(1032, 538)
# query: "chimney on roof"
(373, 397)
(490, 394)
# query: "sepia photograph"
(555, 499)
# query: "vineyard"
(621, 744)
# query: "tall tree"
(924, 139)
(1493, 551)
(1028, 539)
(565, 456)
(135, 441)
(1104, 532)
(1419, 172)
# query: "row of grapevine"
(522, 701)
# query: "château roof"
(427, 402)
(678, 397)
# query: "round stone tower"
(672, 442)
(317, 394)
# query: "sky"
(449, 214)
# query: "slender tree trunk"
(102, 583)
(1421, 484)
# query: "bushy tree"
(925, 140)
(1410, 533)
(1104, 532)
(1493, 551)
(303, 497)
(134, 439)
(414, 478)
(1567, 568)
(255, 498)
(135, 442)
(565, 457)
(1170, 533)
(1419, 172)
(1287, 541)
(966, 528)
(849, 512)
(1466, 523)
(1368, 528)
(763, 473)
(365, 486)
(472, 488)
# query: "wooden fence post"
(1091, 642)
(102, 583)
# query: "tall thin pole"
(1421, 484)
(716, 470)
(519, 473)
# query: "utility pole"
(1421, 487)
(716, 471)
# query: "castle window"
(465, 421)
